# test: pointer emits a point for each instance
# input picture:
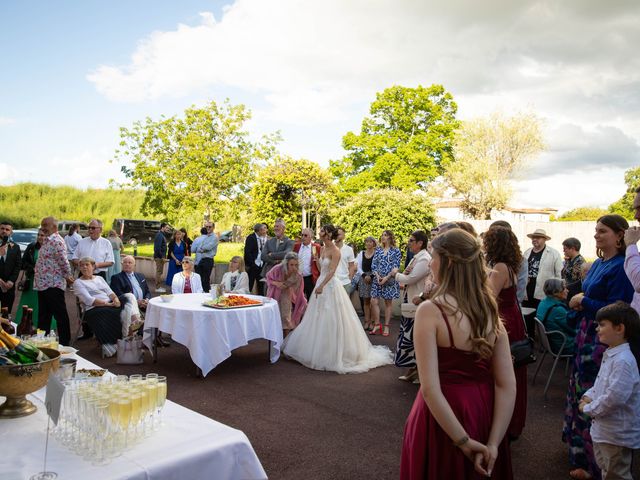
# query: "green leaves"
(404, 142)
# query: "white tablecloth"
(188, 447)
(211, 334)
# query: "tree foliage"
(284, 186)
(370, 213)
(488, 151)
(582, 214)
(25, 204)
(624, 206)
(402, 144)
(192, 163)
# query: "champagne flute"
(161, 397)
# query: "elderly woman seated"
(285, 285)
(553, 311)
(186, 281)
(110, 317)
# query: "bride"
(330, 336)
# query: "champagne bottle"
(6, 326)
(6, 356)
(30, 353)
(25, 326)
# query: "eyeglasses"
(208, 227)
(94, 228)
(411, 240)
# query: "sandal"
(386, 331)
(580, 474)
(377, 329)
(135, 326)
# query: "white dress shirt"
(304, 259)
(616, 399)
(632, 269)
(261, 242)
(100, 250)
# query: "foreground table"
(211, 334)
(189, 446)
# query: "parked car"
(24, 237)
(64, 225)
(144, 231)
(226, 236)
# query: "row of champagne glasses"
(101, 419)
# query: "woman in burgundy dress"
(458, 421)
(503, 256)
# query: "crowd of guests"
(465, 299)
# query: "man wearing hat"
(543, 263)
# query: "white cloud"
(86, 169)
(7, 121)
(8, 174)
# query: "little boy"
(613, 402)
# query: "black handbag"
(522, 351)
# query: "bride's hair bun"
(331, 231)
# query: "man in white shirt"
(346, 268)
(308, 252)
(96, 247)
(253, 246)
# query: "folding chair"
(543, 338)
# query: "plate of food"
(91, 372)
(227, 302)
(67, 351)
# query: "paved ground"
(305, 424)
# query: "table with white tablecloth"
(211, 334)
(188, 446)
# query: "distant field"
(226, 250)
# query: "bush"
(369, 213)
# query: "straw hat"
(539, 232)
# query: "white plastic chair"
(543, 338)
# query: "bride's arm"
(331, 270)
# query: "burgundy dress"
(467, 384)
(514, 323)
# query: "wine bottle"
(25, 326)
(29, 352)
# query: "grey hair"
(188, 259)
(257, 227)
(280, 221)
(97, 221)
(87, 260)
(285, 261)
(553, 286)
(370, 238)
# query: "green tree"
(488, 151)
(285, 186)
(370, 213)
(582, 214)
(192, 163)
(624, 206)
(402, 144)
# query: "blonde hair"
(241, 267)
(463, 276)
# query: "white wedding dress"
(330, 336)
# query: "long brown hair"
(463, 276)
(619, 225)
(501, 246)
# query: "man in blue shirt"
(159, 254)
(194, 248)
(207, 251)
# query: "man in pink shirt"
(632, 259)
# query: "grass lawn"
(226, 250)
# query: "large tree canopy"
(624, 206)
(488, 151)
(191, 163)
(285, 187)
(402, 144)
(372, 212)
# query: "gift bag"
(129, 351)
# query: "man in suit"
(129, 281)
(308, 253)
(276, 248)
(10, 261)
(253, 246)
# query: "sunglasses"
(94, 228)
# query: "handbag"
(522, 351)
(129, 351)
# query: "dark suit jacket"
(277, 249)
(120, 284)
(251, 251)
(10, 267)
(315, 272)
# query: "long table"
(211, 334)
(189, 446)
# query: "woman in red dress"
(458, 421)
(503, 256)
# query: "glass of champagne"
(161, 397)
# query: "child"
(613, 402)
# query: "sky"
(72, 73)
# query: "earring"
(619, 243)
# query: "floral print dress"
(383, 262)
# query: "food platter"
(230, 302)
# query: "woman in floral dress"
(384, 285)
